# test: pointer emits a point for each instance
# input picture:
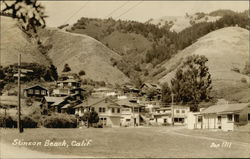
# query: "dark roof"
(225, 108)
(36, 86)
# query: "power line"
(116, 9)
(85, 4)
(129, 9)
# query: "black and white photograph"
(124, 79)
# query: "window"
(183, 111)
(30, 91)
(37, 91)
(199, 119)
(219, 119)
(165, 120)
(113, 110)
(100, 109)
(237, 118)
(179, 120)
(127, 119)
(103, 110)
(118, 110)
(177, 111)
(43, 92)
(229, 117)
(248, 117)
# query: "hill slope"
(13, 41)
(226, 49)
(82, 52)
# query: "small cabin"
(35, 91)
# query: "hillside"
(227, 49)
(14, 41)
(82, 52)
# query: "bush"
(29, 122)
(243, 80)
(59, 121)
(7, 121)
(82, 73)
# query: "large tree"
(192, 82)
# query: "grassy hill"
(14, 41)
(227, 50)
(81, 52)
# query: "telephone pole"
(19, 95)
(172, 107)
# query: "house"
(77, 92)
(227, 117)
(69, 83)
(176, 115)
(103, 92)
(132, 112)
(108, 110)
(36, 91)
(23, 73)
(54, 104)
(148, 86)
(163, 116)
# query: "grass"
(124, 142)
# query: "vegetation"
(164, 43)
(21, 10)
(81, 73)
(166, 93)
(66, 68)
(38, 72)
(192, 82)
(91, 117)
(59, 121)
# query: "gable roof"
(54, 100)
(150, 85)
(92, 101)
(36, 86)
(225, 108)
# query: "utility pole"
(19, 95)
(172, 107)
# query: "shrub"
(82, 73)
(7, 121)
(243, 80)
(59, 121)
(29, 122)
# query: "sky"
(62, 12)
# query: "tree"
(192, 81)
(54, 73)
(28, 12)
(81, 73)
(166, 93)
(66, 68)
(91, 117)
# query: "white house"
(226, 117)
(108, 110)
(167, 115)
(131, 112)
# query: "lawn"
(126, 142)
